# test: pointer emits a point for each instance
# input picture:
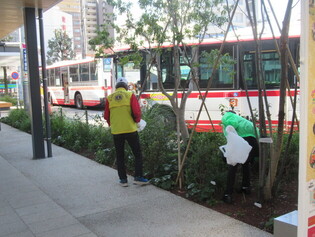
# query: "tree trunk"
(281, 117)
(182, 125)
(5, 79)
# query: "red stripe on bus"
(82, 88)
(85, 102)
(225, 94)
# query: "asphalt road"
(89, 115)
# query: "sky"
(278, 5)
(280, 8)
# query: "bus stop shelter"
(14, 14)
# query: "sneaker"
(227, 199)
(123, 182)
(140, 181)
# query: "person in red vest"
(122, 113)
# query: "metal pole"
(34, 83)
(86, 117)
(44, 76)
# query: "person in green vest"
(122, 113)
(246, 130)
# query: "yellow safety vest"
(121, 120)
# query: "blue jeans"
(134, 143)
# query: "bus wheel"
(78, 101)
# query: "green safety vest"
(243, 127)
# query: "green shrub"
(18, 118)
(291, 161)
(158, 146)
(205, 170)
(8, 98)
(106, 156)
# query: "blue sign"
(107, 64)
(15, 75)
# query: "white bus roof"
(70, 62)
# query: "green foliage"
(7, 38)
(158, 141)
(8, 98)
(205, 169)
(60, 47)
(291, 161)
(18, 118)
(106, 156)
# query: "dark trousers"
(134, 143)
(245, 167)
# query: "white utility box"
(286, 225)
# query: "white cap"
(123, 80)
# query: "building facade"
(94, 14)
(73, 7)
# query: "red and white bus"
(227, 88)
(80, 83)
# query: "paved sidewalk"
(69, 195)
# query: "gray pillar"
(34, 83)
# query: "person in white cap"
(122, 113)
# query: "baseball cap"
(123, 80)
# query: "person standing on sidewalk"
(122, 113)
(244, 129)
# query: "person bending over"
(244, 129)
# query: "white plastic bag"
(237, 149)
(141, 125)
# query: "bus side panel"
(91, 95)
(56, 95)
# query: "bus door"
(65, 84)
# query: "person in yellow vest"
(122, 113)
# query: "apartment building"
(73, 7)
(94, 14)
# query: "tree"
(60, 47)
(8, 38)
(161, 22)
(5, 80)
(269, 171)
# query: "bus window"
(93, 71)
(270, 65)
(184, 72)
(167, 70)
(57, 76)
(119, 71)
(224, 75)
(84, 72)
(50, 77)
(272, 69)
(74, 73)
(132, 72)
